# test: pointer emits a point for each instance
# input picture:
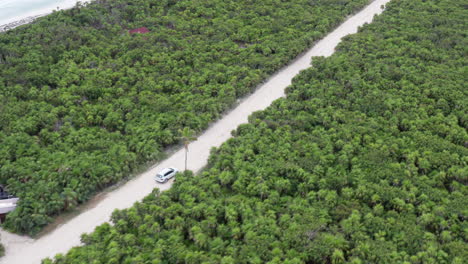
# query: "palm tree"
(187, 137)
(70, 198)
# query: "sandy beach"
(10, 22)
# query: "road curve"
(20, 249)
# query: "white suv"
(165, 174)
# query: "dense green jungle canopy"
(83, 102)
(364, 162)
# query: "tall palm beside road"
(186, 135)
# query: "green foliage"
(83, 102)
(2, 250)
(365, 161)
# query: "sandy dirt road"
(22, 250)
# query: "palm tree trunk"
(186, 151)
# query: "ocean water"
(14, 10)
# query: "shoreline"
(17, 23)
(29, 17)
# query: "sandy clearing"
(20, 249)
